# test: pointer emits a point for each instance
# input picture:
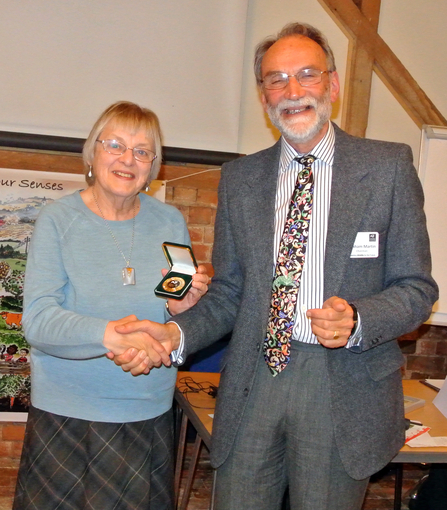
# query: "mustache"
(290, 104)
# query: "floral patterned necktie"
(289, 266)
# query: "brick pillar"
(11, 442)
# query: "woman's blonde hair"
(126, 115)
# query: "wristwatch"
(355, 318)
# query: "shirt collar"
(323, 151)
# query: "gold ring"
(336, 335)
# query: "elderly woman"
(97, 437)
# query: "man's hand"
(332, 324)
(163, 337)
(199, 288)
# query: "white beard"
(299, 131)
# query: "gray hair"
(292, 29)
(124, 114)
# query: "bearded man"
(310, 397)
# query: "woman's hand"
(199, 288)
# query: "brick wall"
(425, 350)
(196, 197)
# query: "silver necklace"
(128, 273)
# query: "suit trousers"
(285, 440)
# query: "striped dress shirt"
(311, 290)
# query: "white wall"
(62, 62)
(414, 30)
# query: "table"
(203, 424)
(429, 415)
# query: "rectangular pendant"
(128, 276)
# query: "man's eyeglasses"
(305, 77)
(117, 148)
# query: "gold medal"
(173, 284)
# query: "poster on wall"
(23, 193)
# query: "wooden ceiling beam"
(389, 68)
(357, 91)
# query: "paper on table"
(436, 384)
(440, 400)
(426, 440)
(415, 431)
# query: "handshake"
(138, 346)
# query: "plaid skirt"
(71, 464)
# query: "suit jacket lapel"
(258, 210)
(349, 197)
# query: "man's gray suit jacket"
(375, 188)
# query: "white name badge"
(366, 246)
